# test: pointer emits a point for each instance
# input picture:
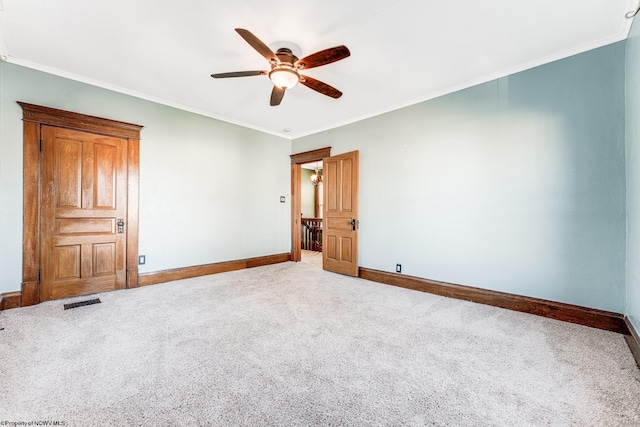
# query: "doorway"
(311, 189)
(297, 160)
(82, 236)
(340, 210)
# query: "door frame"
(34, 117)
(297, 160)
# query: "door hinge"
(40, 144)
(39, 275)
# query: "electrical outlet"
(398, 268)
(282, 199)
(142, 259)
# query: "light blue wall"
(198, 201)
(633, 174)
(516, 185)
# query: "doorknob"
(120, 226)
(354, 224)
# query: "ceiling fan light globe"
(284, 78)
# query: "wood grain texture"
(324, 57)
(34, 117)
(133, 167)
(633, 339)
(30, 293)
(84, 193)
(340, 237)
(555, 310)
(203, 270)
(296, 198)
(10, 300)
(31, 209)
(320, 87)
(67, 119)
(310, 156)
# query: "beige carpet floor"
(292, 345)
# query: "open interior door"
(340, 234)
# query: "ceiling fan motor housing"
(286, 56)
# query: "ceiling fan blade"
(321, 87)
(323, 57)
(238, 74)
(276, 96)
(255, 43)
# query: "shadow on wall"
(515, 185)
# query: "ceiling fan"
(286, 67)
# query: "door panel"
(105, 176)
(331, 193)
(67, 262)
(340, 239)
(84, 194)
(346, 189)
(342, 223)
(346, 244)
(329, 247)
(104, 259)
(74, 226)
(68, 173)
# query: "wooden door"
(84, 206)
(340, 234)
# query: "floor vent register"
(82, 303)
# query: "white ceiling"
(402, 51)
